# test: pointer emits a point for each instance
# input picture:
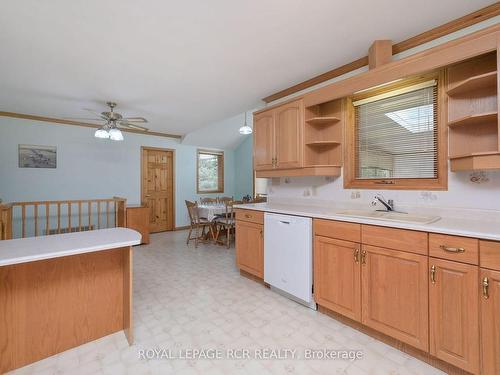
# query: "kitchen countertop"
(24, 250)
(458, 225)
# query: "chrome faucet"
(388, 204)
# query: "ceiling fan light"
(101, 133)
(245, 130)
(115, 135)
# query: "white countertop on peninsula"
(461, 223)
(24, 250)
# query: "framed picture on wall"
(31, 156)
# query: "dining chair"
(225, 200)
(226, 223)
(197, 223)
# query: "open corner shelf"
(474, 119)
(481, 81)
(326, 120)
(475, 161)
(323, 143)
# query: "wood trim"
(439, 183)
(185, 227)
(304, 171)
(128, 294)
(59, 121)
(427, 36)
(174, 187)
(220, 170)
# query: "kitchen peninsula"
(61, 291)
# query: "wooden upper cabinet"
(395, 294)
(264, 145)
(250, 247)
(490, 322)
(278, 140)
(289, 125)
(454, 313)
(337, 279)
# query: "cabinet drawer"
(392, 238)
(459, 249)
(337, 229)
(489, 254)
(250, 215)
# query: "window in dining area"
(210, 171)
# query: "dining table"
(210, 211)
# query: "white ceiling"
(186, 64)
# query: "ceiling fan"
(114, 120)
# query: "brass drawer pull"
(433, 274)
(248, 216)
(363, 257)
(356, 256)
(486, 285)
(452, 249)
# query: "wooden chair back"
(225, 199)
(192, 208)
(208, 200)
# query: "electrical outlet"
(355, 195)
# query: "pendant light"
(245, 129)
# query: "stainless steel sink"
(390, 216)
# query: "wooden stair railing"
(26, 219)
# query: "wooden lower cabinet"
(490, 321)
(454, 313)
(337, 277)
(395, 294)
(250, 247)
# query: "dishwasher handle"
(284, 222)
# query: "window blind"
(396, 134)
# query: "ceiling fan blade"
(100, 115)
(135, 119)
(82, 119)
(126, 124)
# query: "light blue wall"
(243, 156)
(92, 168)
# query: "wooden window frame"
(220, 171)
(351, 159)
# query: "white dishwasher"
(288, 256)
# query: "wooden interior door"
(490, 322)
(264, 141)
(250, 247)
(454, 313)
(395, 294)
(289, 125)
(337, 278)
(158, 187)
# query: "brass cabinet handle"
(433, 274)
(452, 249)
(356, 255)
(486, 285)
(248, 216)
(363, 257)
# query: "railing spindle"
(107, 214)
(47, 218)
(36, 219)
(79, 216)
(58, 217)
(90, 213)
(98, 214)
(23, 218)
(69, 217)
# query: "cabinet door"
(395, 294)
(454, 313)
(490, 322)
(264, 141)
(250, 247)
(337, 282)
(289, 145)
